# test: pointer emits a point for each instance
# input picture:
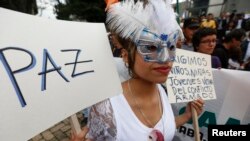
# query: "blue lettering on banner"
(74, 74)
(46, 57)
(11, 73)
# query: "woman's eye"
(151, 48)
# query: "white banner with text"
(49, 70)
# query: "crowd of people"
(224, 36)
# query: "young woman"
(204, 41)
(148, 33)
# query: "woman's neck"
(144, 98)
(143, 89)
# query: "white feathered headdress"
(128, 18)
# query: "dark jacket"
(244, 46)
(221, 52)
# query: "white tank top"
(130, 128)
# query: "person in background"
(240, 21)
(210, 22)
(222, 26)
(232, 39)
(245, 48)
(235, 58)
(189, 27)
(204, 41)
(202, 18)
(142, 111)
(230, 26)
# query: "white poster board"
(190, 78)
(232, 105)
(50, 70)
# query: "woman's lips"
(162, 70)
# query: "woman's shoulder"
(102, 107)
(101, 122)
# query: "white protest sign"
(232, 105)
(190, 78)
(50, 70)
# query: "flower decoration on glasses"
(136, 20)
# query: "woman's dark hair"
(201, 33)
(130, 47)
